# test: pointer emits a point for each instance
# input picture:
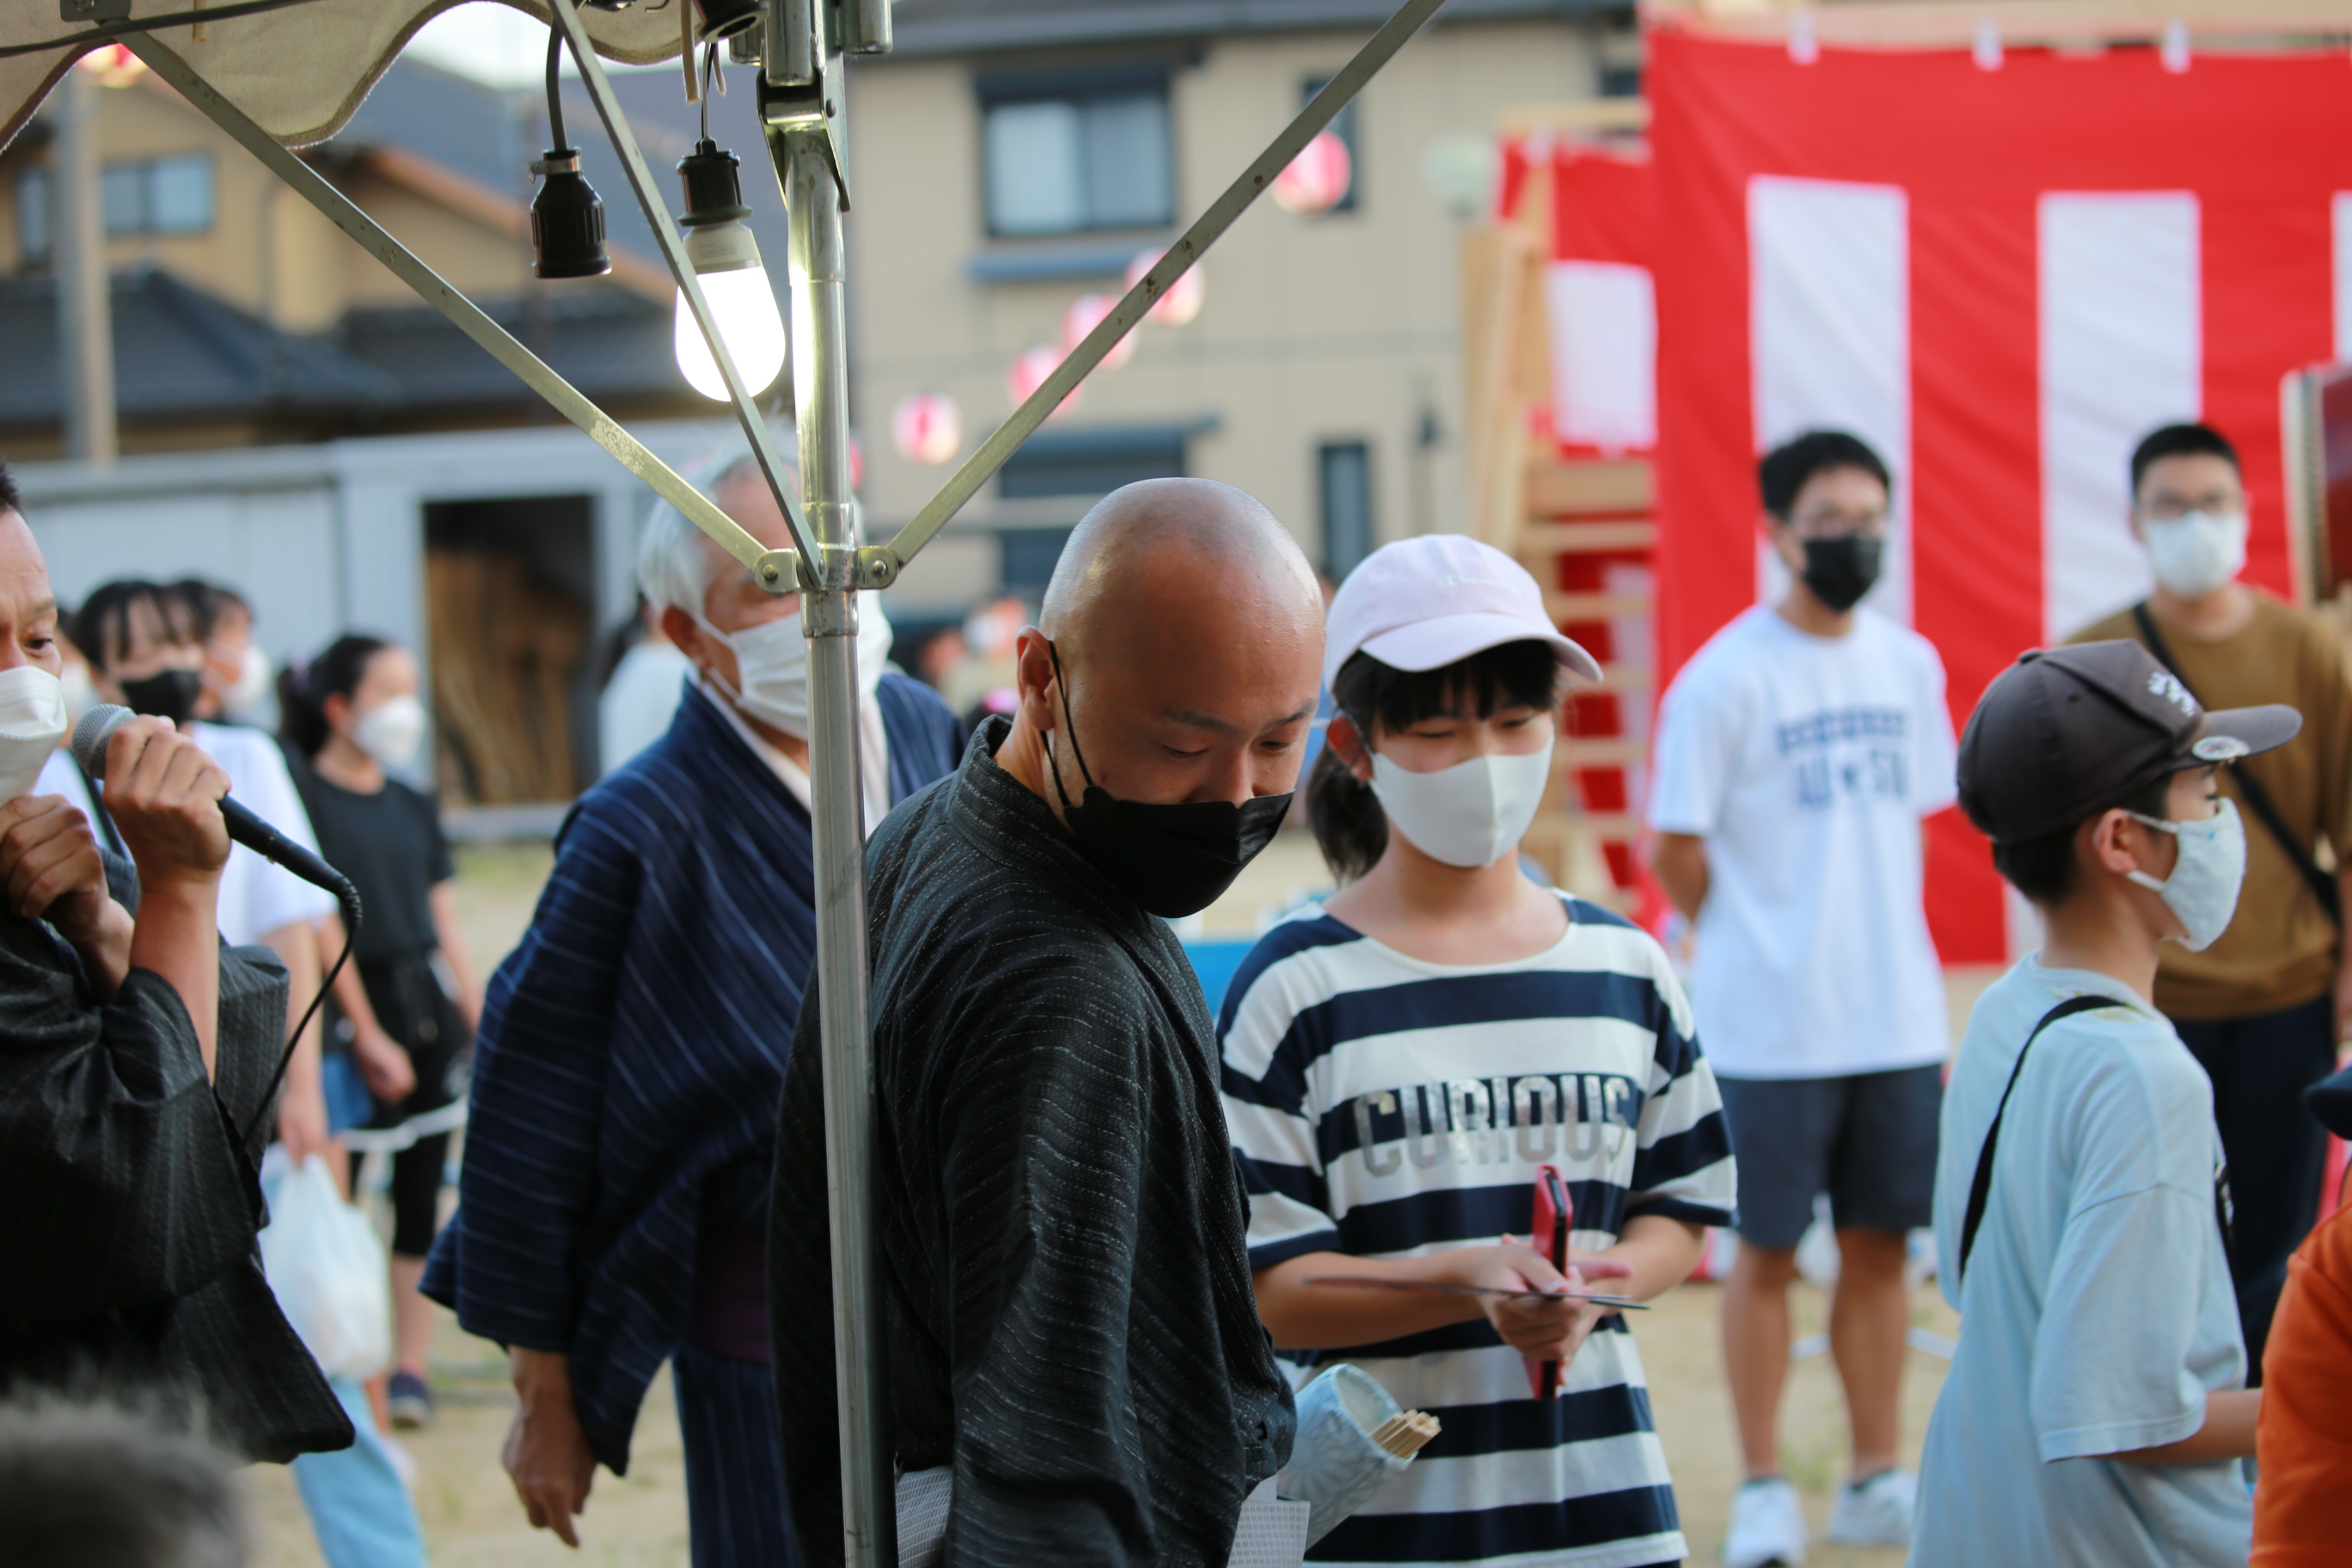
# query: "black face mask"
(1839, 570)
(167, 694)
(1174, 860)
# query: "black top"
(389, 845)
(128, 1209)
(1070, 1322)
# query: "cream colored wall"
(478, 260)
(268, 251)
(1337, 328)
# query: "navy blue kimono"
(632, 1053)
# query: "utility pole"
(85, 309)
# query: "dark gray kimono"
(1070, 1319)
(128, 1211)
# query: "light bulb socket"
(721, 247)
(567, 219)
(714, 186)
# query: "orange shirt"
(2303, 1502)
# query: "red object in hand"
(1554, 1215)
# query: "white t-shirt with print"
(1806, 764)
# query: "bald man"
(1073, 1350)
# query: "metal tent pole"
(85, 288)
(829, 617)
(801, 98)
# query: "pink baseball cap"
(1428, 600)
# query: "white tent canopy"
(301, 72)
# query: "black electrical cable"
(109, 32)
(348, 895)
(555, 141)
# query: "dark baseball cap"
(2065, 733)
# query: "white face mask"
(1470, 815)
(771, 662)
(392, 730)
(32, 722)
(2203, 886)
(252, 683)
(2198, 552)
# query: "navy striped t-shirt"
(1383, 1107)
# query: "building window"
(1346, 484)
(1343, 126)
(1067, 154)
(1027, 557)
(1091, 462)
(33, 217)
(154, 196)
(1621, 81)
(162, 195)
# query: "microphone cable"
(349, 898)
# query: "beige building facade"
(1324, 371)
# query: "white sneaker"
(1768, 1525)
(1876, 1513)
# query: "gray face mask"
(2203, 888)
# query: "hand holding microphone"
(164, 795)
(161, 783)
(171, 805)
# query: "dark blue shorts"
(1868, 1140)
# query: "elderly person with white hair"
(613, 1200)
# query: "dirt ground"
(472, 1521)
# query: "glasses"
(1838, 524)
(2169, 506)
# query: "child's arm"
(1308, 1317)
(1660, 1252)
(2228, 1433)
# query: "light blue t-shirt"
(2097, 1311)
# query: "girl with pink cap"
(1407, 1059)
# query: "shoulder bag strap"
(1980, 1188)
(2258, 799)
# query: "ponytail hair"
(1344, 814)
(303, 690)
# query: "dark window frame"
(1346, 541)
(1078, 86)
(1343, 126)
(37, 188)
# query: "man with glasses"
(2263, 1007)
(1796, 754)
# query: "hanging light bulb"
(726, 260)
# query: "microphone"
(97, 727)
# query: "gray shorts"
(1868, 1140)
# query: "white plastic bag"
(328, 1268)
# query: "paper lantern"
(1317, 179)
(1180, 304)
(1029, 374)
(1085, 313)
(927, 427)
(113, 65)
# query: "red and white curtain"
(2002, 273)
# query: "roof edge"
(1144, 20)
